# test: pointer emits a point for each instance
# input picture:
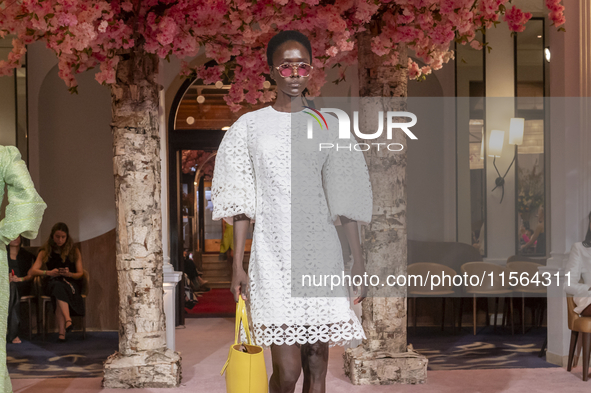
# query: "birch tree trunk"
(383, 357)
(143, 359)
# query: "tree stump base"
(381, 368)
(146, 369)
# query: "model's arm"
(25, 207)
(352, 233)
(79, 269)
(239, 276)
(35, 270)
(14, 278)
(26, 277)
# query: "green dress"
(23, 217)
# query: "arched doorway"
(198, 119)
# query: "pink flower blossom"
(556, 14)
(413, 69)
(476, 44)
(378, 47)
(168, 30)
(442, 34)
(103, 26)
(89, 33)
(127, 6)
(332, 51)
(66, 19)
(516, 19)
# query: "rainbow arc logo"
(316, 117)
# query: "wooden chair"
(85, 286)
(498, 288)
(533, 289)
(578, 324)
(44, 300)
(27, 299)
(423, 269)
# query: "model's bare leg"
(59, 319)
(287, 366)
(65, 310)
(315, 365)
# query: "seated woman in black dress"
(19, 263)
(64, 269)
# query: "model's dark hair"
(284, 36)
(587, 241)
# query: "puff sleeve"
(346, 183)
(233, 189)
(25, 207)
(574, 268)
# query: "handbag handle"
(241, 316)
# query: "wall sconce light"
(495, 143)
(547, 54)
(482, 145)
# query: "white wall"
(70, 146)
(75, 170)
(425, 158)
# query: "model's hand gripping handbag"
(245, 367)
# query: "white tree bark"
(383, 357)
(143, 359)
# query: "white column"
(570, 158)
(171, 277)
(558, 333)
(500, 108)
(563, 201)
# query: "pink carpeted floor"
(205, 344)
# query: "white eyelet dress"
(253, 175)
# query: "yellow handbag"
(245, 368)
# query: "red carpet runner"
(219, 302)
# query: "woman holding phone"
(63, 263)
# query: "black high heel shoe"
(71, 327)
(61, 340)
